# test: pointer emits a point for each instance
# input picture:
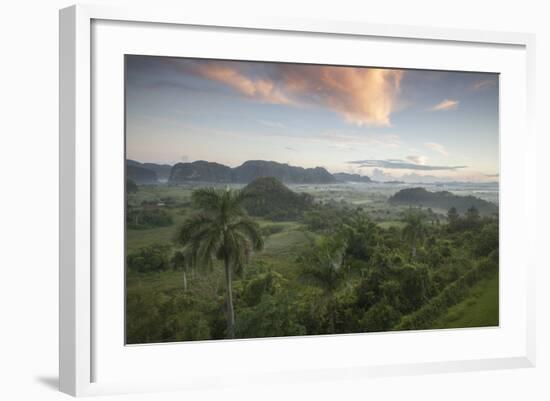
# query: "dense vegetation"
(442, 200)
(266, 261)
(269, 198)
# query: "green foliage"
(143, 218)
(273, 316)
(268, 197)
(487, 240)
(154, 258)
(146, 322)
(322, 219)
(220, 230)
(131, 186)
(336, 268)
(442, 200)
(451, 295)
(416, 287)
(268, 283)
(452, 216)
(478, 309)
(414, 231)
(380, 317)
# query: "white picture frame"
(79, 150)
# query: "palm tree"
(414, 230)
(323, 269)
(180, 261)
(220, 229)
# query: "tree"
(380, 317)
(452, 217)
(487, 240)
(180, 262)
(415, 287)
(414, 230)
(323, 268)
(131, 186)
(220, 229)
(153, 258)
(472, 217)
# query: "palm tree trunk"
(229, 301)
(184, 281)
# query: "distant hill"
(346, 177)
(252, 169)
(204, 171)
(442, 200)
(201, 171)
(270, 198)
(162, 170)
(137, 172)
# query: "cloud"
(417, 159)
(362, 96)
(446, 104)
(436, 147)
(381, 175)
(402, 165)
(492, 175)
(261, 89)
(484, 84)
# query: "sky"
(386, 123)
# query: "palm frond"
(251, 230)
(193, 225)
(207, 199)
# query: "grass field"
(479, 309)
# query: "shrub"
(451, 295)
(263, 283)
(416, 287)
(380, 317)
(152, 258)
(148, 218)
(274, 316)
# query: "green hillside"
(479, 309)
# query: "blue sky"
(385, 123)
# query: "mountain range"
(204, 171)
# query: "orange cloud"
(362, 96)
(262, 89)
(445, 105)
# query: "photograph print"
(267, 199)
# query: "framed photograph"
(294, 200)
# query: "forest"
(209, 261)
